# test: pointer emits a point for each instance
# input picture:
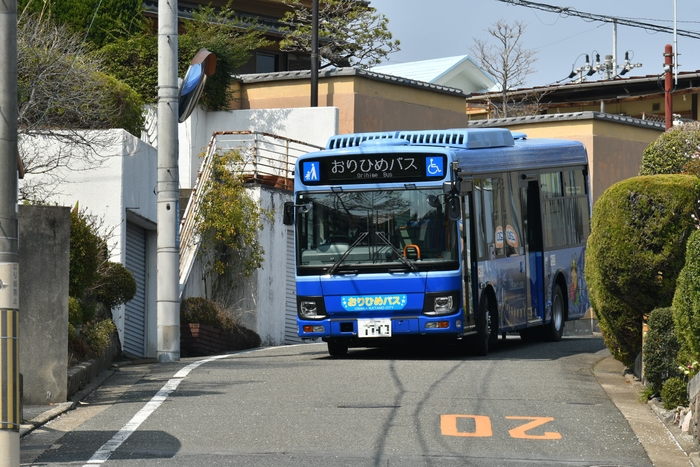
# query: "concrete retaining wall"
(44, 251)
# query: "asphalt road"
(526, 404)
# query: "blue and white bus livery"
(441, 236)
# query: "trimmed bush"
(635, 252)
(674, 393)
(661, 349)
(117, 286)
(674, 152)
(686, 301)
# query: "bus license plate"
(374, 328)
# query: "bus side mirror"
(288, 217)
(453, 211)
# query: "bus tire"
(337, 347)
(487, 329)
(554, 330)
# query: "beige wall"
(614, 149)
(364, 104)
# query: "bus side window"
(555, 218)
(577, 206)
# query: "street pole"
(314, 54)
(10, 418)
(168, 254)
(668, 84)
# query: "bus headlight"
(311, 308)
(443, 304)
(437, 304)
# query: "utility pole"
(668, 84)
(168, 254)
(314, 54)
(10, 417)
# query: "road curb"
(663, 446)
(63, 407)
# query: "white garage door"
(290, 321)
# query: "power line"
(568, 11)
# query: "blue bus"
(446, 236)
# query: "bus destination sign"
(366, 168)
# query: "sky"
(448, 28)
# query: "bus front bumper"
(381, 327)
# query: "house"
(640, 97)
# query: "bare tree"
(507, 61)
(63, 98)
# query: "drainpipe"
(668, 85)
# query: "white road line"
(102, 454)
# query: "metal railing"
(268, 159)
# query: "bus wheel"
(337, 347)
(487, 329)
(555, 328)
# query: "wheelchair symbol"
(433, 168)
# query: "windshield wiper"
(399, 253)
(357, 241)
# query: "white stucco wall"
(311, 125)
(258, 301)
(121, 186)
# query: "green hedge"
(635, 252)
(686, 301)
(661, 349)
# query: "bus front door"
(534, 265)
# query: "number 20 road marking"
(448, 426)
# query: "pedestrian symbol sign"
(311, 171)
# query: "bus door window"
(492, 228)
(481, 242)
(532, 241)
(467, 247)
(511, 217)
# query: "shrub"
(674, 152)
(86, 251)
(228, 222)
(635, 252)
(686, 301)
(98, 335)
(75, 313)
(203, 311)
(674, 393)
(660, 348)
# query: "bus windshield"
(374, 231)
